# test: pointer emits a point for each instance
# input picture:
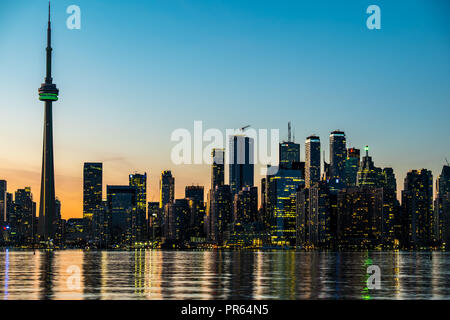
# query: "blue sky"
(137, 70)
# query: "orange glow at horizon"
(69, 188)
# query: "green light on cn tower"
(48, 96)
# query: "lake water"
(155, 274)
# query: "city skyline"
(135, 149)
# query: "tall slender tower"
(48, 93)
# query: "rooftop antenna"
(447, 161)
(289, 131)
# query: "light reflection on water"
(153, 274)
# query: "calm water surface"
(152, 274)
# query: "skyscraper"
(281, 205)
(264, 217)
(217, 167)
(9, 205)
(368, 174)
(196, 228)
(92, 188)
(360, 218)
(154, 221)
(195, 193)
(352, 167)
(320, 215)
(442, 207)
(246, 205)
(241, 164)
(59, 227)
(166, 188)
(301, 218)
(3, 190)
(121, 206)
(195, 225)
(391, 206)
(417, 210)
(48, 93)
(312, 161)
(176, 220)
(338, 154)
(22, 224)
(101, 225)
(443, 181)
(289, 153)
(219, 212)
(314, 216)
(138, 221)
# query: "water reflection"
(92, 275)
(148, 274)
(6, 279)
(46, 274)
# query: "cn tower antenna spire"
(48, 76)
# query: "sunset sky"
(138, 70)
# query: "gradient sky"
(137, 70)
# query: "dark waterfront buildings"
(314, 226)
(302, 217)
(176, 221)
(196, 227)
(75, 233)
(246, 205)
(219, 213)
(391, 207)
(360, 217)
(417, 209)
(154, 221)
(101, 226)
(3, 191)
(48, 93)
(22, 217)
(122, 207)
(92, 188)
(442, 207)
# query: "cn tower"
(48, 93)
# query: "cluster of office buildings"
(347, 203)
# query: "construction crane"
(245, 127)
